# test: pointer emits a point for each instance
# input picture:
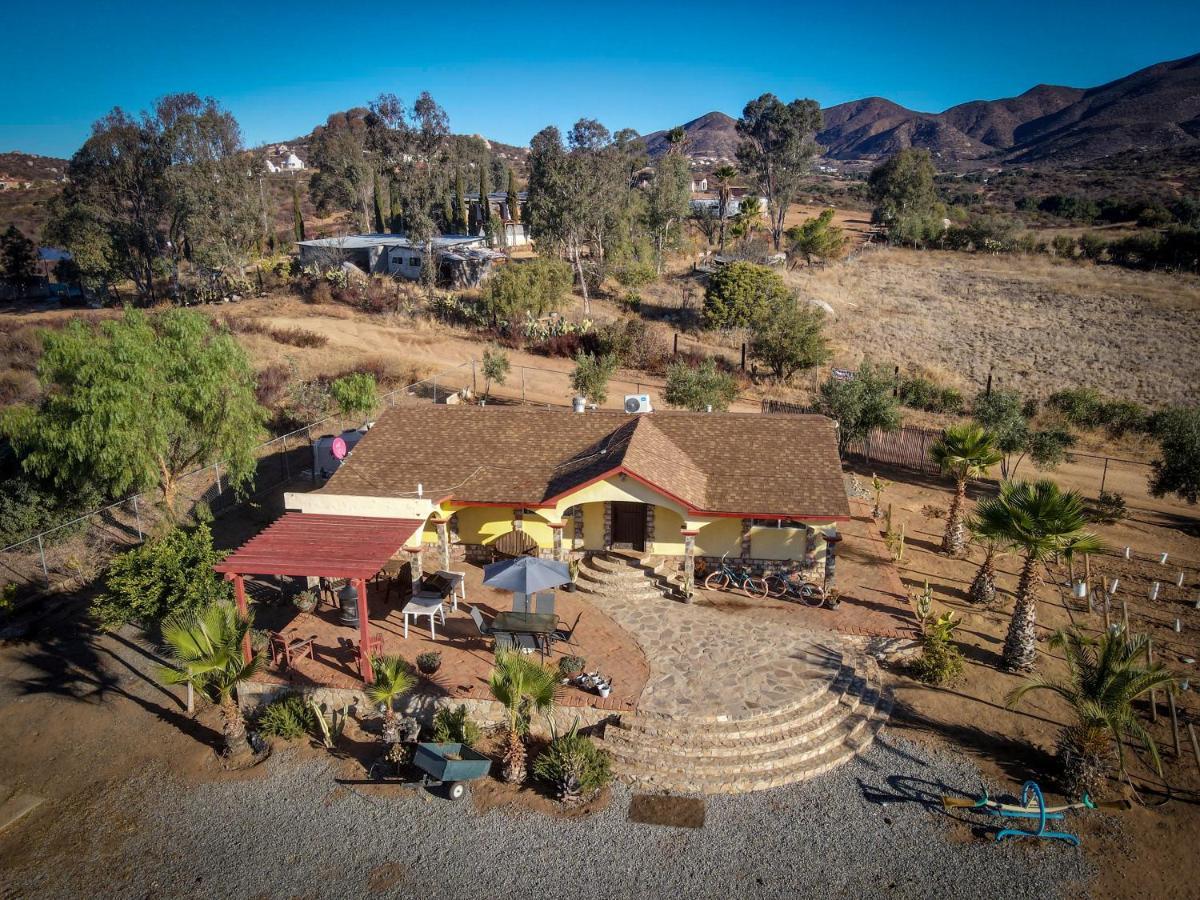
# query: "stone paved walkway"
(706, 663)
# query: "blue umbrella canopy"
(526, 575)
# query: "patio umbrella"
(526, 575)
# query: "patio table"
(525, 623)
(424, 606)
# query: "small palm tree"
(724, 176)
(983, 585)
(523, 687)
(963, 452)
(1037, 520)
(394, 678)
(1104, 677)
(206, 648)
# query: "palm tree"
(1104, 677)
(206, 647)
(1036, 520)
(394, 678)
(523, 687)
(983, 585)
(724, 176)
(963, 452)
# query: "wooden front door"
(629, 525)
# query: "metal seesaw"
(1032, 806)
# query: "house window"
(414, 261)
(775, 523)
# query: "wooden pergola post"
(239, 595)
(364, 632)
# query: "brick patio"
(466, 657)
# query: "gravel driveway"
(855, 832)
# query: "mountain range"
(1154, 108)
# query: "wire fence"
(76, 552)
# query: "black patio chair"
(566, 635)
(544, 602)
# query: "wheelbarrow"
(450, 764)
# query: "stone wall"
(253, 696)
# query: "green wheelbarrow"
(451, 765)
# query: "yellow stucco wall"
(720, 536)
(483, 524)
(667, 525)
(593, 526)
(618, 489)
(778, 543)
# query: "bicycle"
(727, 577)
(789, 587)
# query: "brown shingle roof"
(731, 463)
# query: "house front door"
(629, 526)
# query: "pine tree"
(514, 201)
(297, 212)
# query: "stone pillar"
(746, 540)
(831, 542)
(650, 507)
(414, 557)
(608, 517)
(689, 563)
(577, 538)
(518, 520)
(556, 530)
(443, 533)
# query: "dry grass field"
(1043, 324)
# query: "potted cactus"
(305, 601)
(573, 568)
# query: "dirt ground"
(1040, 324)
(1141, 855)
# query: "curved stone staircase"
(813, 705)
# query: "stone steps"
(835, 740)
(629, 573)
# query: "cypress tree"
(460, 197)
(297, 212)
(447, 215)
(483, 211)
(377, 186)
(514, 202)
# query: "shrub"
(571, 665)
(789, 337)
(740, 292)
(1063, 246)
(27, 507)
(1080, 406)
(591, 376)
(574, 766)
(164, 576)
(526, 288)
(1177, 470)
(1108, 508)
(287, 717)
(635, 274)
(355, 394)
(1092, 246)
(918, 392)
(429, 661)
(298, 337)
(940, 660)
(1123, 416)
(271, 383)
(698, 387)
(455, 726)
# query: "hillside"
(1156, 108)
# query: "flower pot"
(604, 690)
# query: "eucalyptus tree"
(777, 148)
(668, 201)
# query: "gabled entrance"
(629, 526)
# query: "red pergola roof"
(321, 545)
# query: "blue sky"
(505, 70)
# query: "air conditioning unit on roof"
(637, 403)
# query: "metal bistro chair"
(566, 635)
(544, 602)
(520, 603)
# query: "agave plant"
(523, 687)
(393, 679)
(962, 452)
(206, 648)
(1036, 520)
(1104, 677)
